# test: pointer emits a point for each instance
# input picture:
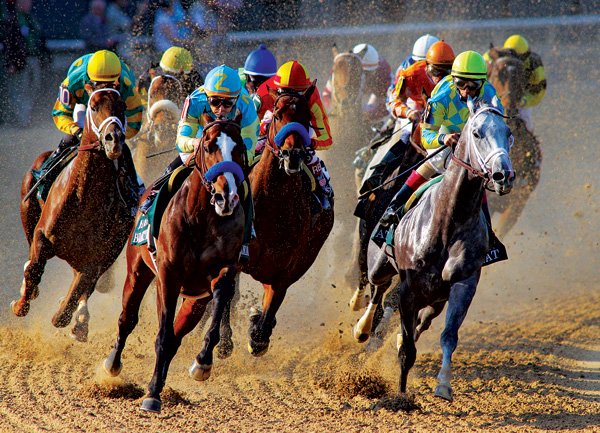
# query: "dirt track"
(528, 359)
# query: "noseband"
(485, 163)
(101, 129)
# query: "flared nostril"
(498, 176)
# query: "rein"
(99, 130)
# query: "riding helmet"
(517, 43)
(368, 56)
(440, 53)
(422, 45)
(469, 65)
(104, 65)
(222, 81)
(261, 62)
(176, 60)
(292, 75)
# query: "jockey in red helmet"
(292, 76)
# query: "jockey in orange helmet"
(293, 77)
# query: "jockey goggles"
(215, 101)
(472, 85)
(438, 70)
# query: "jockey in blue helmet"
(260, 65)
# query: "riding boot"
(133, 186)
(249, 232)
(496, 250)
(50, 169)
(324, 191)
(158, 183)
(414, 181)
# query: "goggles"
(221, 102)
(472, 85)
(438, 70)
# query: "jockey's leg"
(132, 184)
(324, 191)
(65, 147)
(158, 183)
(417, 178)
(249, 233)
(496, 250)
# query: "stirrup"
(244, 253)
(145, 207)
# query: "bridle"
(101, 129)
(361, 85)
(485, 163)
(209, 174)
(276, 138)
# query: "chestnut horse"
(347, 84)
(196, 254)
(440, 244)
(159, 132)
(290, 229)
(507, 75)
(84, 219)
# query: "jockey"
(536, 77)
(260, 65)
(419, 51)
(222, 97)
(292, 77)
(103, 69)
(444, 118)
(378, 76)
(176, 62)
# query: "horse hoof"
(254, 315)
(200, 372)
(19, 309)
(151, 404)
(257, 349)
(359, 336)
(224, 349)
(444, 391)
(111, 367)
(80, 332)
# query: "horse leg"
(359, 299)
(40, 252)
(362, 330)
(139, 277)
(461, 295)
(407, 351)
(223, 289)
(426, 316)
(82, 320)
(165, 347)
(262, 324)
(381, 322)
(225, 346)
(83, 282)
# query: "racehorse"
(440, 244)
(507, 75)
(159, 131)
(196, 254)
(290, 226)
(347, 84)
(84, 220)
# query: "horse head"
(289, 132)
(507, 74)
(219, 160)
(488, 140)
(105, 116)
(165, 96)
(347, 82)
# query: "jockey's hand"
(451, 140)
(78, 133)
(196, 142)
(397, 112)
(414, 116)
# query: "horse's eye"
(476, 134)
(94, 108)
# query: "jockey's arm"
(188, 127)
(319, 123)
(431, 138)
(536, 85)
(249, 126)
(62, 112)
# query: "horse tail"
(164, 105)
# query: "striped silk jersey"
(72, 91)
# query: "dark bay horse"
(441, 243)
(507, 74)
(159, 131)
(196, 255)
(84, 219)
(290, 229)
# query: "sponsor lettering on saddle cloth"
(496, 252)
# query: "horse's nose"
(112, 144)
(234, 199)
(498, 176)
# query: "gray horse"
(440, 244)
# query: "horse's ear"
(308, 92)
(494, 54)
(334, 51)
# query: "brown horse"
(347, 84)
(290, 230)
(196, 255)
(159, 132)
(84, 219)
(507, 74)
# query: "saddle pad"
(140, 233)
(414, 199)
